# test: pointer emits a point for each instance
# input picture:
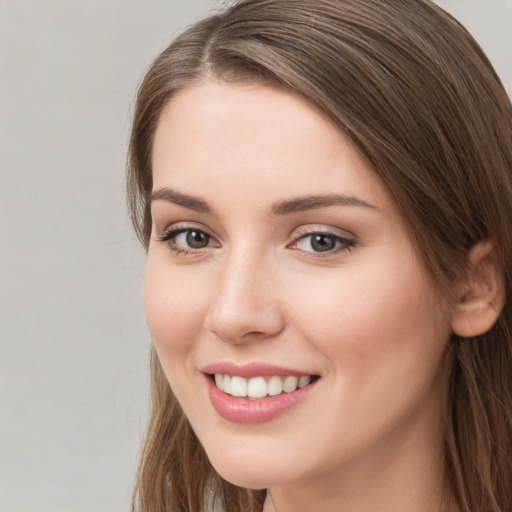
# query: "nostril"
(241, 313)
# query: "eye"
(321, 242)
(187, 240)
(193, 238)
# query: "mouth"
(256, 392)
(259, 387)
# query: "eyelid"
(311, 229)
(169, 234)
(183, 226)
(348, 240)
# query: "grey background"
(73, 342)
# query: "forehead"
(254, 137)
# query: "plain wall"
(73, 342)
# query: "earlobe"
(484, 293)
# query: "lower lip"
(241, 410)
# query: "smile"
(260, 386)
(256, 393)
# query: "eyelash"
(343, 244)
(170, 235)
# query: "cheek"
(174, 309)
(368, 317)
(384, 339)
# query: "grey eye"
(323, 243)
(196, 239)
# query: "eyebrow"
(185, 200)
(302, 204)
(280, 208)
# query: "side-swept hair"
(418, 98)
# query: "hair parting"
(418, 98)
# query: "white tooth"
(304, 381)
(219, 381)
(275, 386)
(227, 384)
(257, 387)
(238, 386)
(290, 383)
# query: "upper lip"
(251, 370)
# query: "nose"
(245, 305)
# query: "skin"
(365, 316)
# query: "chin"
(248, 478)
(250, 471)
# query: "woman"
(324, 191)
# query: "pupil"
(197, 239)
(322, 243)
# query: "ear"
(483, 293)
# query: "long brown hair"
(418, 98)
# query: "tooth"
(219, 381)
(304, 381)
(238, 386)
(290, 383)
(227, 384)
(275, 386)
(257, 387)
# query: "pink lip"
(250, 370)
(242, 410)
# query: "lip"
(247, 371)
(242, 410)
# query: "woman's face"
(278, 258)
